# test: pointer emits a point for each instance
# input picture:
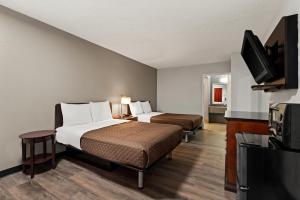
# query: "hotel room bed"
(188, 122)
(132, 144)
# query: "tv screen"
(256, 58)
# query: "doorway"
(216, 90)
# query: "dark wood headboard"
(58, 122)
(128, 108)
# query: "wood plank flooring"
(196, 172)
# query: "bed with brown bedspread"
(188, 122)
(134, 143)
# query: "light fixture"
(124, 101)
(224, 80)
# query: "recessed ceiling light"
(224, 80)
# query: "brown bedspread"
(187, 122)
(134, 143)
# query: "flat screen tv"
(256, 58)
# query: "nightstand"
(126, 117)
(32, 138)
(130, 117)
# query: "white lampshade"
(125, 100)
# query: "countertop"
(240, 115)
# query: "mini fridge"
(265, 169)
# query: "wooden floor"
(196, 172)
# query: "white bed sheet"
(145, 117)
(70, 135)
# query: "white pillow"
(146, 107)
(100, 111)
(74, 114)
(136, 108)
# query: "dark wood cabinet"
(255, 123)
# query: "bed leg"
(201, 126)
(169, 156)
(186, 137)
(141, 179)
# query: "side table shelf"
(33, 138)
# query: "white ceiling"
(160, 33)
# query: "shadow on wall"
(288, 96)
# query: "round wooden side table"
(32, 138)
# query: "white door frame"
(228, 90)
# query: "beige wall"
(41, 66)
(179, 89)
(243, 98)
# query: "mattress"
(145, 117)
(70, 135)
(186, 121)
(133, 143)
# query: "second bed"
(190, 123)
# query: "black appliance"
(268, 166)
(266, 171)
(256, 58)
(284, 123)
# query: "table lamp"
(124, 101)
